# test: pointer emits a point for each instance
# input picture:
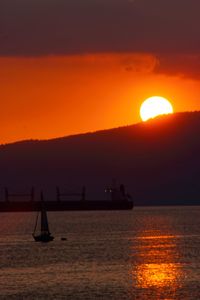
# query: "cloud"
(59, 27)
(186, 66)
(127, 62)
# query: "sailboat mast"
(36, 223)
(44, 220)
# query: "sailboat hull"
(44, 238)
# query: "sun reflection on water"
(159, 275)
(155, 266)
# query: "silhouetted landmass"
(158, 161)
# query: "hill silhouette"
(158, 161)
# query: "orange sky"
(46, 97)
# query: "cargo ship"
(118, 200)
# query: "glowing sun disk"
(155, 106)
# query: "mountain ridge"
(157, 160)
(71, 136)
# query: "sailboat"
(45, 235)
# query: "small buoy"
(63, 239)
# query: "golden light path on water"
(158, 275)
(156, 267)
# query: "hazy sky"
(42, 27)
(73, 66)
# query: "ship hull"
(23, 206)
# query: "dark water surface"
(147, 253)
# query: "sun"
(155, 106)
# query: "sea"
(144, 253)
